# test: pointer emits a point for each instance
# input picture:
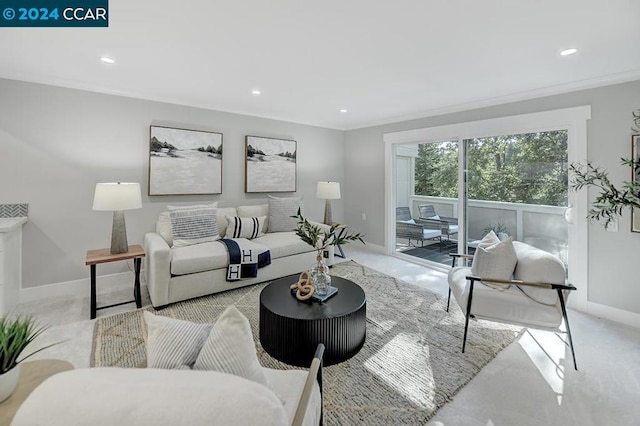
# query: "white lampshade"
(328, 190)
(117, 196)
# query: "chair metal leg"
(466, 320)
(448, 299)
(566, 322)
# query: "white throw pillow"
(163, 227)
(280, 212)
(173, 343)
(436, 217)
(255, 211)
(488, 240)
(245, 227)
(497, 261)
(536, 265)
(230, 348)
(193, 224)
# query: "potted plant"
(499, 229)
(320, 239)
(15, 335)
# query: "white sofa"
(174, 274)
(146, 396)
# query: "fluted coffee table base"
(290, 330)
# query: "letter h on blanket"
(245, 257)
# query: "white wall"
(56, 143)
(613, 279)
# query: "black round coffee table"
(290, 330)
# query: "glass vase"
(320, 277)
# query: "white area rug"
(409, 366)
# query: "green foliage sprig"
(320, 239)
(497, 228)
(15, 335)
(611, 200)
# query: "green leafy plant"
(611, 200)
(320, 239)
(498, 228)
(15, 335)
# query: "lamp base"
(119, 242)
(327, 212)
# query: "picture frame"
(270, 164)
(184, 162)
(635, 177)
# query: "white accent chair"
(536, 296)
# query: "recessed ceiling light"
(343, 110)
(567, 52)
(256, 92)
(107, 60)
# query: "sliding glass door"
(427, 200)
(517, 187)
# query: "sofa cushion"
(223, 212)
(537, 265)
(282, 244)
(148, 396)
(206, 256)
(198, 258)
(163, 227)
(245, 227)
(230, 348)
(496, 261)
(280, 212)
(510, 305)
(255, 211)
(172, 343)
(193, 225)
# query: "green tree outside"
(530, 168)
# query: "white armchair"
(535, 296)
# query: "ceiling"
(383, 61)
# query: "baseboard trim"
(77, 288)
(374, 248)
(614, 314)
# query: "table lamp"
(329, 191)
(117, 197)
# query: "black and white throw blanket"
(245, 257)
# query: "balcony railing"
(539, 225)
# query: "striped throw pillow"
(193, 225)
(230, 348)
(245, 227)
(173, 343)
(280, 212)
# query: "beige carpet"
(409, 367)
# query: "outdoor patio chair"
(429, 219)
(406, 227)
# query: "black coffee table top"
(277, 297)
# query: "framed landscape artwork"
(635, 155)
(184, 162)
(270, 165)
